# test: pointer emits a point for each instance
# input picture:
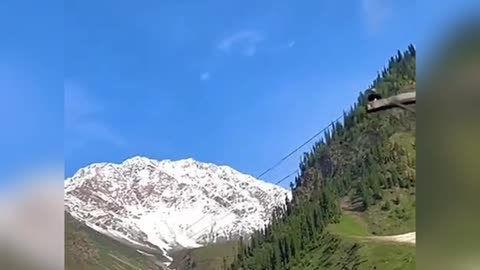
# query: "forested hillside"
(363, 167)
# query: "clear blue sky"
(230, 82)
(31, 76)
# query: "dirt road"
(401, 238)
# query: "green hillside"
(213, 257)
(86, 249)
(334, 252)
(356, 182)
(346, 245)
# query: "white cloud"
(246, 41)
(205, 76)
(82, 119)
(376, 13)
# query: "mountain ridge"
(168, 205)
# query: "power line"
(298, 148)
(286, 177)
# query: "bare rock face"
(170, 204)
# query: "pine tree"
(253, 241)
(286, 250)
(241, 248)
(281, 252)
(292, 248)
(288, 206)
(273, 259)
(316, 221)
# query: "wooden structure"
(401, 100)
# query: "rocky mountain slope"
(169, 205)
(87, 249)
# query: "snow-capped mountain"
(169, 204)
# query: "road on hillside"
(401, 238)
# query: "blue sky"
(230, 82)
(31, 75)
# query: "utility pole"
(377, 103)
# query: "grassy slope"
(86, 249)
(399, 218)
(337, 252)
(367, 254)
(342, 247)
(351, 225)
(209, 257)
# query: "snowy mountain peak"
(170, 204)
